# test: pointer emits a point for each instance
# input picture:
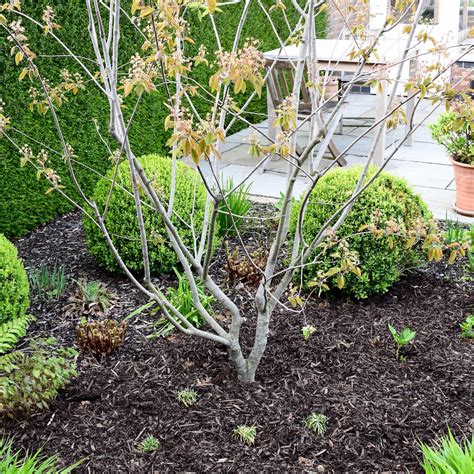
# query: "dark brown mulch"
(378, 408)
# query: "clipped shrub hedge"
(121, 220)
(23, 203)
(381, 265)
(14, 289)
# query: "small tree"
(164, 61)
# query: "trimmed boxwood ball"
(14, 288)
(121, 219)
(381, 265)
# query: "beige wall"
(340, 9)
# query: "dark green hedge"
(23, 202)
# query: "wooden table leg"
(410, 111)
(272, 131)
(380, 112)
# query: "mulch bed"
(378, 408)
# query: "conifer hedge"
(23, 202)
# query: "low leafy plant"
(14, 462)
(308, 331)
(92, 298)
(30, 379)
(316, 423)
(280, 201)
(236, 207)
(181, 298)
(467, 327)
(149, 445)
(12, 331)
(402, 339)
(48, 283)
(246, 434)
(187, 397)
(100, 337)
(454, 129)
(447, 456)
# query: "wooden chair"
(280, 86)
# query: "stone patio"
(424, 164)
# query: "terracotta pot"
(464, 177)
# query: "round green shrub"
(381, 265)
(14, 288)
(121, 219)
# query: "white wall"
(447, 27)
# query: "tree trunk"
(246, 368)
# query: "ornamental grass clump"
(447, 456)
(236, 207)
(17, 462)
(182, 298)
(374, 262)
(48, 283)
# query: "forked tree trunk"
(247, 368)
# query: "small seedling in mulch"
(467, 327)
(316, 423)
(187, 397)
(91, 298)
(308, 331)
(402, 339)
(247, 434)
(149, 445)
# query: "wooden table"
(334, 55)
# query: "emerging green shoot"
(187, 397)
(15, 462)
(235, 208)
(448, 457)
(308, 331)
(181, 298)
(93, 292)
(246, 434)
(91, 298)
(316, 423)
(149, 445)
(467, 327)
(48, 283)
(402, 339)
(454, 232)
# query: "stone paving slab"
(424, 165)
